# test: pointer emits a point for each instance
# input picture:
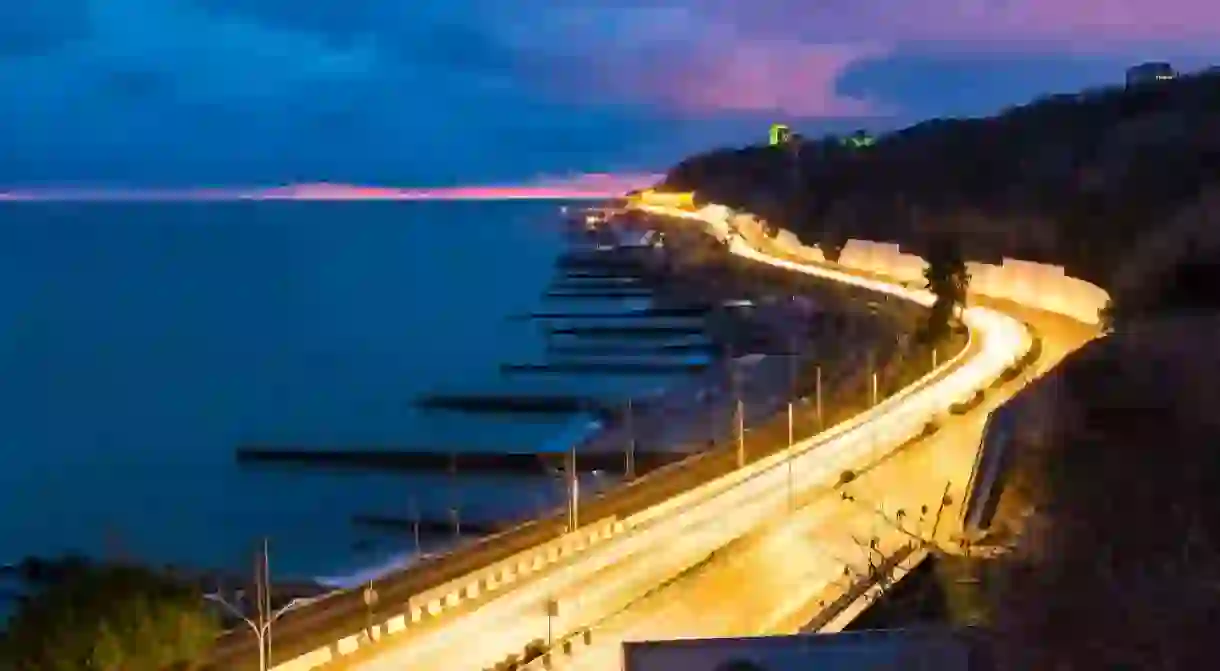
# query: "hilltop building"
(1146, 73)
(780, 134)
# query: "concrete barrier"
(491, 579)
(1037, 285)
(482, 583)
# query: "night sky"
(444, 92)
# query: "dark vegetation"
(1083, 180)
(109, 617)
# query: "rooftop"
(913, 649)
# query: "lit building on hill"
(1146, 73)
(780, 134)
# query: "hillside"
(1084, 180)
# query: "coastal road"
(771, 581)
(728, 507)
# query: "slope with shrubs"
(1076, 180)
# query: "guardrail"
(436, 601)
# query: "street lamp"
(261, 627)
(629, 466)
(573, 493)
(552, 612)
(791, 420)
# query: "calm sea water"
(141, 343)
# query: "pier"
(627, 331)
(600, 275)
(628, 349)
(623, 284)
(515, 404)
(604, 368)
(467, 463)
(689, 312)
(598, 295)
(429, 527)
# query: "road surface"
(681, 532)
(771, 582)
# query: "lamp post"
(552, 611)
(261, 624)
(370, 597)
(791, 419)
(629, 466)
(415, 529)
(818, 394)
(573, 493)
(741, 433)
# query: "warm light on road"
(668, 538)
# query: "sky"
(206, 93)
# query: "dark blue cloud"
(158, 91)
(238, 91)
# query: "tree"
(109, 618)
(948, 280)
(1106, 317)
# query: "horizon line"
(593, 186)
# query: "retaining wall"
(1038, 285)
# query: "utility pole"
(741, 434)
(552, 611)
(262, 591)
(818, 384)
(260, 625)
(415, 528)
(739, 411)
(872, 371)
(791, 421)
(573, 492)
(629, 466)
(370, 602)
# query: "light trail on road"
(681, 532)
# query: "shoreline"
(685, 415)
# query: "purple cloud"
(787, 56)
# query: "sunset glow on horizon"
(591, 186)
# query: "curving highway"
(739, 529)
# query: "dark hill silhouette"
(1077, 179)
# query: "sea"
(142, 343)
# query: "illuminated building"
(677, 200)
(780, 134)
(1146, 73)
(859, 140)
